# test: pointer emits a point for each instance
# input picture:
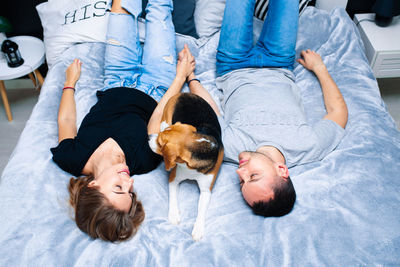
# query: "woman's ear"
(92, 183)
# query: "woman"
(112, 141)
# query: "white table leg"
(5, 100)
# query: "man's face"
(116, 185)
(257, 176)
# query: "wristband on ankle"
(188, 82)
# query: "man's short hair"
(280, 204)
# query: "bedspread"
(347, 209)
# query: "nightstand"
(382, 45)
(33, 53)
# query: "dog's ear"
(170, 153)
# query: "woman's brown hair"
(96, 216)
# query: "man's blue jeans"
(276, 45)
(151, 69)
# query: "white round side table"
(33, 53)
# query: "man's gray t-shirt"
(262, 107)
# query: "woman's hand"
(186, 63)
(73, 73)
(311, 60)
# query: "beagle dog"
(190, 143)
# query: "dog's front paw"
(173, 216)
(164, 125)
(153, 142)
(198, 231)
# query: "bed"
(347, 211)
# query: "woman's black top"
(121, 114)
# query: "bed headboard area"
(25, 20)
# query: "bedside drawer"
(386, 64)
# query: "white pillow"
(66, 22)
(208, 16)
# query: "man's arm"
(184, 67)
(334, 102)
(197, 88)
(67, 109)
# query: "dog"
(190, 143)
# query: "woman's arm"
(67, 109)
(184, 67)
(335, 105)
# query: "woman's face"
(116, 185)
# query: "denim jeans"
(276, 45)
(150, 69)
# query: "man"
(264, 127)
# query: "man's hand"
(187, 59)
(186, 63)
(311, 60)
(335, 105)
(73, 73)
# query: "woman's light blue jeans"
(150, 69)
(276, 45)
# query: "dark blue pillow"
(182, 16)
